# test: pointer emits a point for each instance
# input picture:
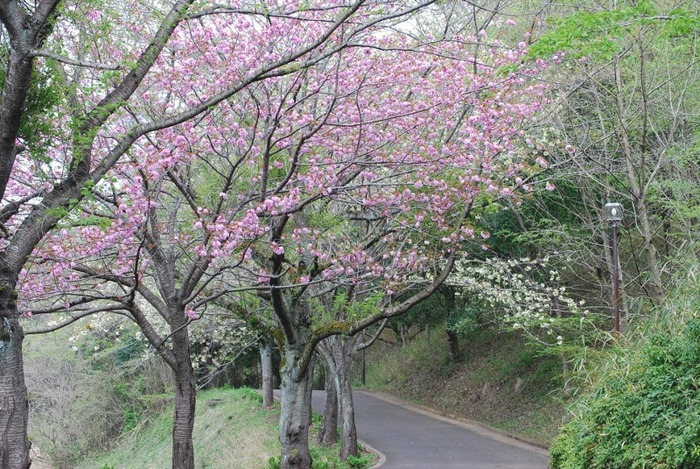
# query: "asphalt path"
(415, 438)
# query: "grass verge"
(232, 431)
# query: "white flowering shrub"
(518, 294)
(216, 340)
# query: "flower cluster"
(524, 294)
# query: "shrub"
(644, 414)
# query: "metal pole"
(616, 278)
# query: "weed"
(360, 462)
(251, 394)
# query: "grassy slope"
(231, 431)
(500, 382)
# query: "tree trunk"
(346, 411)
(295, 416)
(266, 368)
(14, 409)
(635, 174)
(340, 352)
(453, 342)
(329, 429)
(363, 371)
(404, 335)
(185, 398)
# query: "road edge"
(472, 425)
(371, 449)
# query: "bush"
(646, 413)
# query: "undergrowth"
(232, 430)
(644, 413)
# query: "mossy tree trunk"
(328, 435)
(14, 446)
(342, 350)
(295, 415)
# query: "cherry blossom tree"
(125, 72)
(377, 196)
(357, 174)
(36, 191)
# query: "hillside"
(231, 430)
(499, 382)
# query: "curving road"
(413, 438)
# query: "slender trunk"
(635, 175)
(363, 368)
(363, 373)
(564, 358)
(453, 342)
(14, 410)
(329, 429)
(346, 411)
(266, 367)
(295, 416)
(342, 350)
(183, 424)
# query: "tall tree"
(171, 64)
(29, 212)
(372, 196)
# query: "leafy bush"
(646, 413)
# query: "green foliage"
(232, 430)
(326, 458)
(682, 23)
(469, 317)
(645, 413)
(597, 35)
(590, 34)
(133, 407)
(82, 399)
(45, 93)
(251, 394)
(361, 461)
(431, 311)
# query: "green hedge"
(644, 415)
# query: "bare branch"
(69, 61)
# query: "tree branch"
(69, 61)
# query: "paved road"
(412, 438)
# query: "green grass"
(231, 431)
(500, 382)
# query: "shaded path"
(412, 438)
